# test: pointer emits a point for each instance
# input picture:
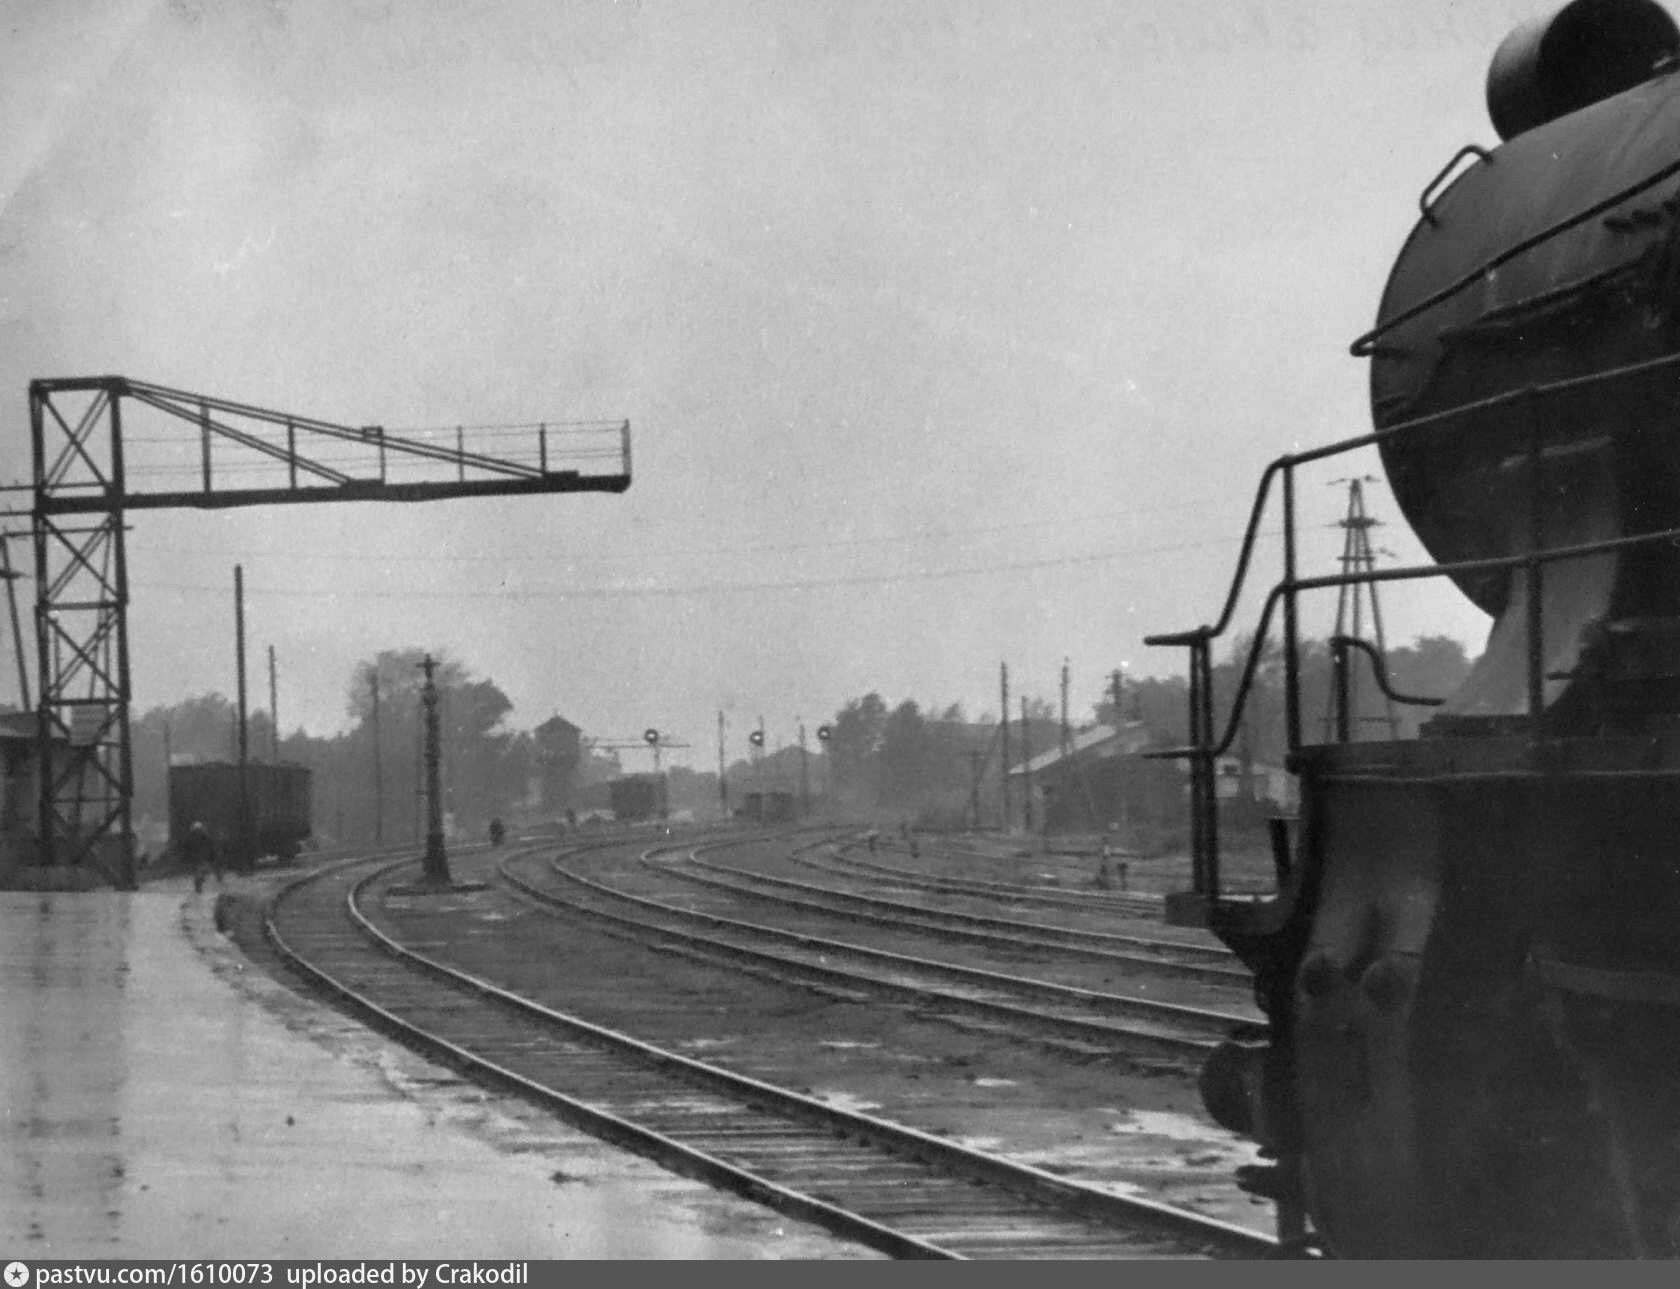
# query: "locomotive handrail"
(1407, 573)
(1375, 438)
(1204, 746)
(1379, 670)
(1468, 150)
(1364, 346)
(1339, 648)
(1255, 514)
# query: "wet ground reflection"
(156, 1105)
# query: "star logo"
(17, 1275)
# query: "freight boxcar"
(638, 797)
(277, 805)
(768, 808)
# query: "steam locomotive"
(1471, 968)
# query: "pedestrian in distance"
(202, 856)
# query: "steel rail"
(909, 1146)
(870, 910)
(1047, 896)
(988, 891)
(1210, 1024)
(1065, 993)
(1057, 1030)
(600, 1122)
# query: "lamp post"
(436, 861)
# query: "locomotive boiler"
(1471, 969)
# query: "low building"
(1103, 780)
(1268, 786)
(1099, 781)
(20, 790)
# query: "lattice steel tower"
(86, 480)
(1358, 561)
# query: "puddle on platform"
(846, 1043)
(845, 1101)
(163, 1100)
(995, 1083)
(1165, 1123)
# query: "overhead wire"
(715, 588)
(926, 535)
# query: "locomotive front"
(1471, 972)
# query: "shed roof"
(1098, 743)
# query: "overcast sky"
(949, 332)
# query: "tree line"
(937, 765)
(932, 763)
(368, 780)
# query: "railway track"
(1090, 1022)
(1139, 906)
(890, 1187)
(1160, 957)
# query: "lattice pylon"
(1359, 562)
(81, 636)
(241, 455)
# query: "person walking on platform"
(199, 850)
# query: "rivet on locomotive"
(1471, 970)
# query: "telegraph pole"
(1003, 685)
(273, 710)
(245, 856)
(1065, 738)
(378, 776)
(804, 775)
(1026, 769)
(1125, 809)
(723, 781)
(975, 767)
(415, 823)
(758, 768)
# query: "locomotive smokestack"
(1575, 56)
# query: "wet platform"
(162, 1098)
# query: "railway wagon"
(277, 799)
(638, 797)
(1471, 972)
(769, 808)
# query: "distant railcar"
(277, 803)
(638, 797)
(768, 808)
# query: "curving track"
(1148, 955)
(1026, 893)
(1095, 1022)
(891, 1187)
